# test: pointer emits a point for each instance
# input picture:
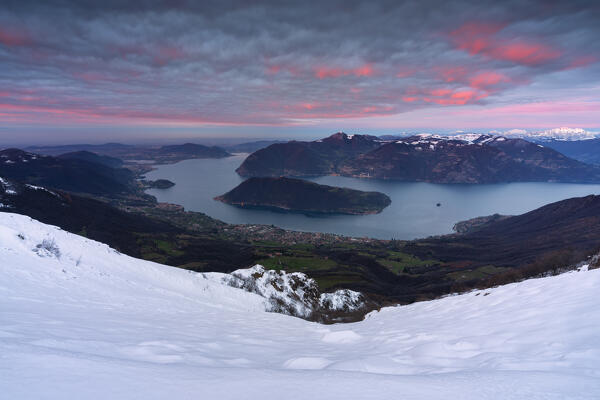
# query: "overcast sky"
(116, 70)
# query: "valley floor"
(79, 320)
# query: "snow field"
(92, 323)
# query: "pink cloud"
(447, 97)
(524, 53)
(482, 39)
(336, 72)
(165, 54)
(484, 80)
(451, 74)
(405, 72)
(440, 92)
(582, 61)
(14, 37)
(273, 69)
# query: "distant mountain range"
(469, 158)
(192, 150)
(133, 154)
(106, 148)
(576, 143)
(562, 134)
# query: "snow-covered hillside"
(79, 320)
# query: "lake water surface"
(412, 214)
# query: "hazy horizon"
(214, 138)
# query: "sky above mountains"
(258, 67)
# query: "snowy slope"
(79, 320)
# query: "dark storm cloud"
(257, 62)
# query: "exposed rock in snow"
(342, 300)
(293, 294)
(6, 188)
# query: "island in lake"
(297, 195)
(158, 184)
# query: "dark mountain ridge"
(133, 154)
(106, 148)
(320, 157)
(420, 158)
(69, 174)
(572, 224)
(192, 149)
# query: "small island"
(159, 184)
(297, 195)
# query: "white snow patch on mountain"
(91, 323)
(460, 140)
(40, 188)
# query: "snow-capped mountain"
(80, 320)
(562, 134)
(474, 157)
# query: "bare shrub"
(47, 248)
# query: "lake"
(412, 214)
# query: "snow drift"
(80, 320)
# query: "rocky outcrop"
(298, 295)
